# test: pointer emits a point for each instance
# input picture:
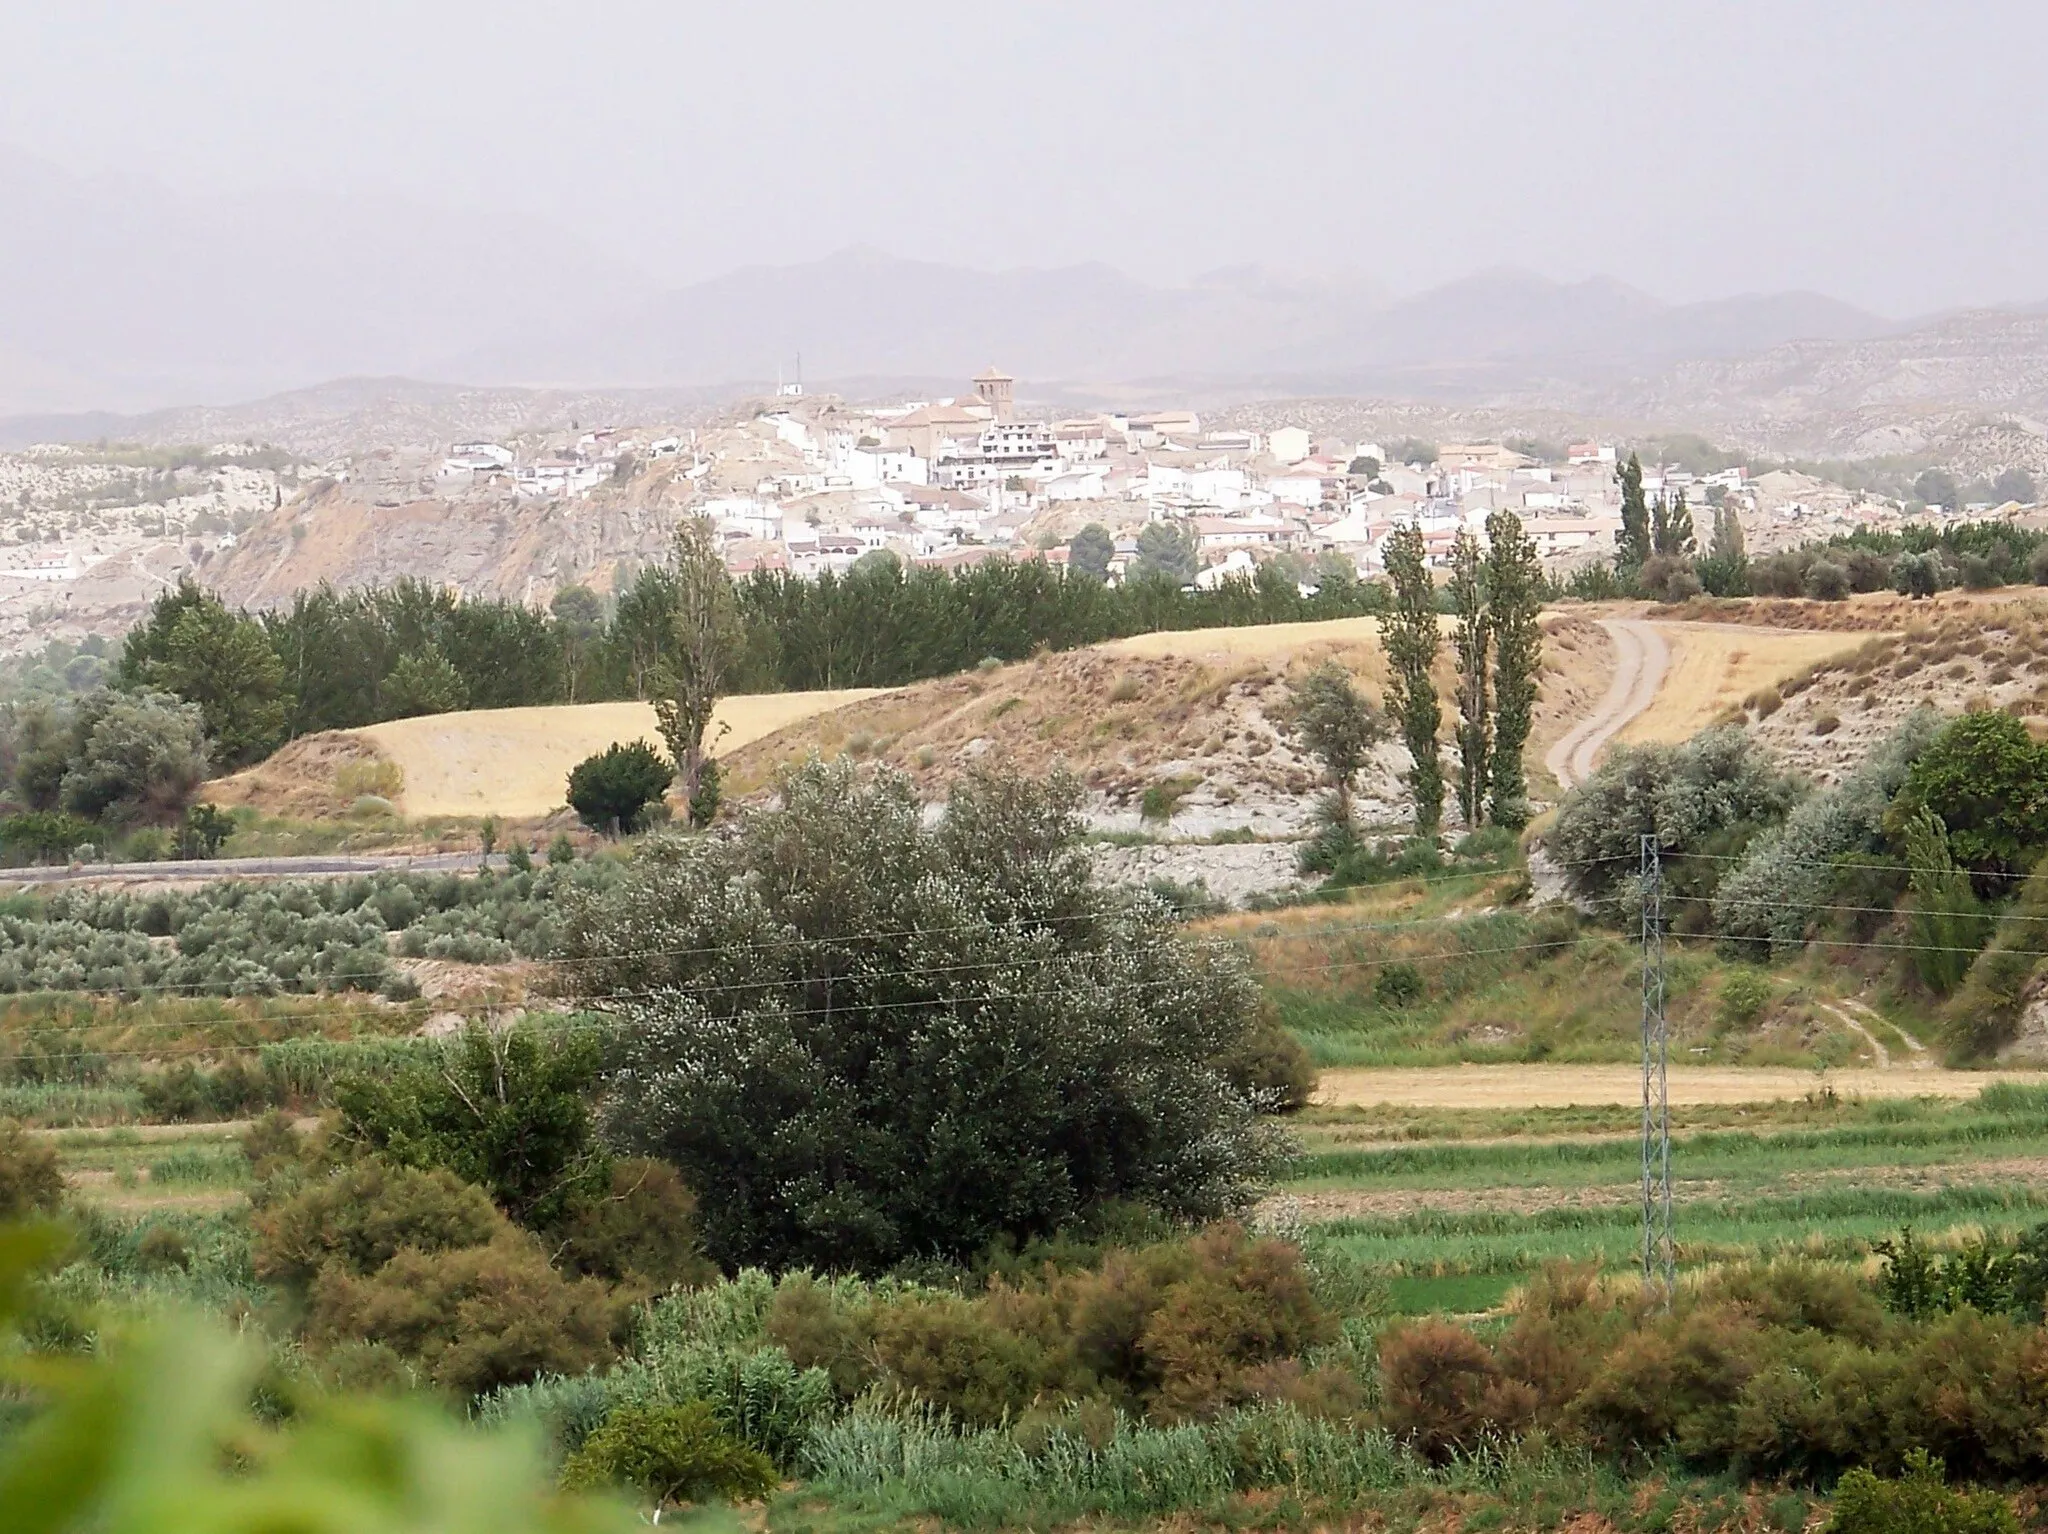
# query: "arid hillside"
(1188, 729)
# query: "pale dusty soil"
(1714, 666)
(1395, 1203)
(1565, 1086)
(1951, 659)
(1205, 710)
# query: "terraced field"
(1459, 1203)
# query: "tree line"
(337, 659)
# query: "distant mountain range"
(119, 294)
(129, 310)
(863, 312)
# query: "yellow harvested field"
(1263, 640)
(515, 761)
(1587, 1086)
(1714, 666)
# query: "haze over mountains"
(118, 294)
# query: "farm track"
(1570, 1086)
(310, 866)
(1641, 657)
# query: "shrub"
(1398, 984)
(1744, 995)
(675, 1454)
(1977, 573)
(30, 1182)
(162, 1248)
(1686, 796)
(1440, 1387)
(710, 792)
(642, 1229)
(815, 1007)
(1271, 1066)
(1826, 581)
(1789, 873)
(473, 1318)
(357, 1219)
(1826, 724)
(1917, 1503)
(611, 790)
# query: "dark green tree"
(865, 1039)
(610, 791)
(193, 647)
(1471, 641)
(1514, 596)
(1166, 552)
(1937, 487)
(2015, 484)
(1409, 634)
(1986, 779)
(1090, 552)
(424, 683)
(505, 1109)
(1632, 548)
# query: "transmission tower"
(1659, 1258)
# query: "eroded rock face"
(2029, 1044)
(1230, 872)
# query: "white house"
(1076, 485)
(1237, 563)
(1289, 444)
(1302, 489)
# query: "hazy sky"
(1888, 152)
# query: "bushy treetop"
(1986, 779)
(864, 1038)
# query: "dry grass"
(515, 761)
(1566, 1086)
(1716, 667)
(509, 762)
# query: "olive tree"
(865, 1039)
(135, 758)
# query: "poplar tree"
(1409, 633)
(1671, 527)
(1632, 543)
(1470, 642)
(1514, 595)
(705, 632)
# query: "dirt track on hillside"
(1640, 657)
(1569, 1086)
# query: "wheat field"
(1714, 666)
(515, 762)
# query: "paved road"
(318, 866)
(1640, 659)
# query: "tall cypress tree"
(1409, 633)
(1514, 594)
(1632, 543)
(1470, 641)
